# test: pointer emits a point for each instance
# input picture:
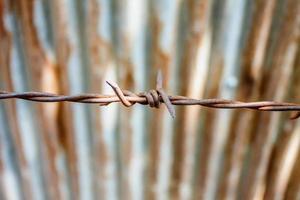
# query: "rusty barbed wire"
(153, 98)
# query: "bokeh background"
(235, 49)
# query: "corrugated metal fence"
(234, 49)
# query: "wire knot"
(153, 98)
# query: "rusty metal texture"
(233, 62)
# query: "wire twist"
(153, 98)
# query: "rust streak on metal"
(292, 191)
(159, 59)
(63, 49)
(5, 75)
(39, 66)
(100, 54)
(283, 55)
(244, 123)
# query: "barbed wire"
(153, 98)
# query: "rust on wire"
(153, 98)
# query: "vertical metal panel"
(233, 49)
(232, 30)
(260, 14)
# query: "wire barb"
(153, 98)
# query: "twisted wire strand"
(153, 98)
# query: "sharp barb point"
(159, 80)
(111, 84)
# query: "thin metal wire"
(153, 98)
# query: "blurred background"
(235, 49)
